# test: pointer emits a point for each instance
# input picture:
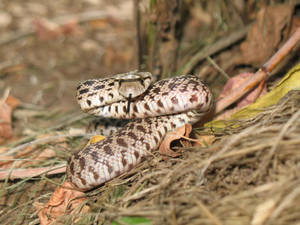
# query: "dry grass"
(251, 176)
(248, 177)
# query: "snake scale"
(159, 108)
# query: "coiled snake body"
(160, 107)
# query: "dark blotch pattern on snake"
(159, 107)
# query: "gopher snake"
(160, 107)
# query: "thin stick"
(282, 52)
(260, 75)
(217, 67)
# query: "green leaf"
(133, 221)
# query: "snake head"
(133, 84)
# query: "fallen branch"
(260, 75)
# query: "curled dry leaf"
(249, 98)
(64, 201)
(165, 146)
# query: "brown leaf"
(5, 121)
(47, 30)
(64, 201)
(165, 146)
(249, 98)
(271, 27)
(12, 102)
(7, 105)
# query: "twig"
(282, 52)
(31, 172)
(211, 61)
(260, 75)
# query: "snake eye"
(142, 81)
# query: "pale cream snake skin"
(159, 107)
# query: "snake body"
(159, 107)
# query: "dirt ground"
(45, 71)
(249, 174)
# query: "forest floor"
(247, 171)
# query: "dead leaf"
(47, 30)
(165, 146)
(5, 121)
(7, 105)
(64, 201)
(249, 98)
(271, 27)
(12, 102)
